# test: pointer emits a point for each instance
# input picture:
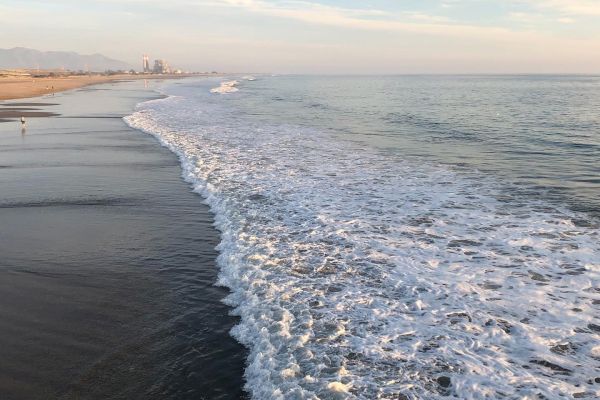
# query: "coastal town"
(35, 76)
(159, 67)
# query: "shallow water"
(401, 237)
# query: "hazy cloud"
(572, 7)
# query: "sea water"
(401, 237)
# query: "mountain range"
(20, 57)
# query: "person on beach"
(23, 128)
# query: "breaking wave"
(359, 275)
(226, 87)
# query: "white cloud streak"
(365, 19)
(571, 7)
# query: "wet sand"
(14, 110)
(108, 262)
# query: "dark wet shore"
(14, 111)
(107, 262)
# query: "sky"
(319, 36)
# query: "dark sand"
(8, 103)
(107, 262)
(16, 113)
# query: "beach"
(108, 259)
(24, 87)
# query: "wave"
(226, 87)
(361, 276)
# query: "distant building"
(146, 64)
(161, 67)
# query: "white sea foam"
(360, 276)
(226, 87)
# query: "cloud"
(527, 18)
(315, 13)
(565, 20)
(571, 7)
(364, 19)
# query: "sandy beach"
(108, 260)
(23, 87)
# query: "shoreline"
(14, 88)
(109, 264)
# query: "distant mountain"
(20, 57)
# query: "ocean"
(401, 237)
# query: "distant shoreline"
(12, 88)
